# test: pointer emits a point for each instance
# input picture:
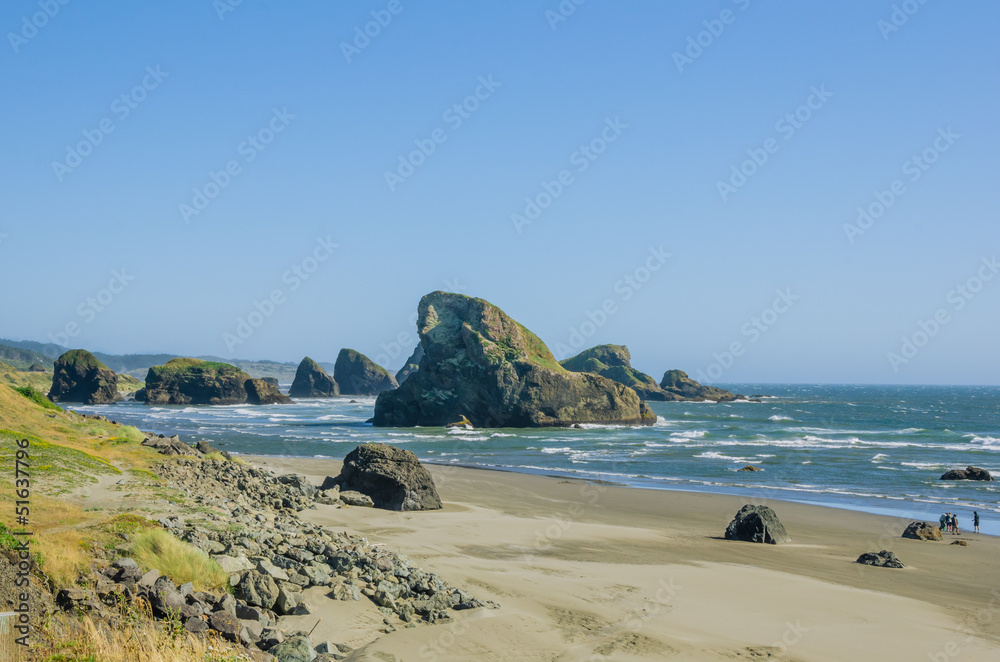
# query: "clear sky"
(174, 164)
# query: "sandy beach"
(585, 571)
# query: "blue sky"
(630, 148)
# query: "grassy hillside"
(22, 359)
(11, 376)
(91, 490)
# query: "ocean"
(879, 449)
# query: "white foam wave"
(777, 417)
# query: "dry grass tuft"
(178, 560)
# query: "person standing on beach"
(975, 520)
(944, 522)
(954, 525)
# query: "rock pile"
(271, 557)
(883, 559)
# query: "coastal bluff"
(480, 363)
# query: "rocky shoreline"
(246, 519)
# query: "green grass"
(54, 468)
(81, 357)
(538, 351)
(178, 560)
(198, 365)
(37, 397)
(7, 541)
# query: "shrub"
(37, 397)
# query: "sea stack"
(311, 381)
(80, 377)
(677, 383)
(195, 382)
(481, 364)
(356, 374)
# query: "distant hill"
(50, 350)
(22, 359)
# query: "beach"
(590, 571)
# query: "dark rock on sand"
(969, 473)
(195, 382)
(412, 364)
(679, 384)
(392, 477)
(922, 531)
(481, 364)
(356, 374)
(296, 648)
(80, 377)
(311, 381)
(883, 559)
(756, 524)
(260, 392)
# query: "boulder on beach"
(195, 382)
(356, 374)
(922, 531)
(412, 364)
(312, 381)
(80, 377)
(883, 559)
(481, 364)
(262, 392)
(969, 473)
(756, 524)
(679, 384)
(392, 477)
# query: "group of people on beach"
(949, 523)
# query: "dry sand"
(593, 572)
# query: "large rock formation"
(392, 477)
(80, 377)
(194, 382)
(756, 524)
(263, 392)
(356, 374)
(412, 364)
(678, 383)
(481, 364)
(311, 381)
(969, 473)
(615, 362)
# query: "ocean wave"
(713, 455)
(879, 457)
(778, 417)
(985, 442)
(689, 434)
